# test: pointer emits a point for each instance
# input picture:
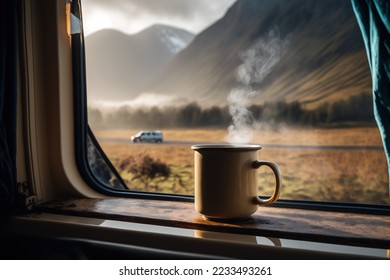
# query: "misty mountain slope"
(119, 64)
(324, 59)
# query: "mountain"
(118, 65)
(324, 58)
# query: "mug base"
(231, 220)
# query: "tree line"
(356, 110)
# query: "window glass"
(291, 76)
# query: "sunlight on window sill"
(309, 225)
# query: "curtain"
(8, 95)
(373, 17)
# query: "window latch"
(27, 197)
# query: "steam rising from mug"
(257, 63)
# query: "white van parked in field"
(147, 136)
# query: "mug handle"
(278, 178)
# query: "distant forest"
(356, 110)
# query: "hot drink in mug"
(225, 180)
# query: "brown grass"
(326, 175)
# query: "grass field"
(358, 175)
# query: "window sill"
(309, 225)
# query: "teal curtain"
(373, 17)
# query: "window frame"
(82, 131)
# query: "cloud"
(135, 15)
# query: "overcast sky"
(131, 16)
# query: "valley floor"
(344, 165)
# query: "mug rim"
(226, 146)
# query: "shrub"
(145, 170)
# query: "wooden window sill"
(310, 225)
